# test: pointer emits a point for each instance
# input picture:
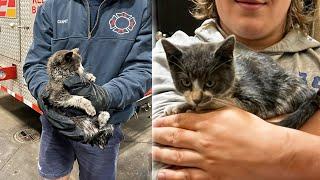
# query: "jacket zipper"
(89, 18)
(98, 17)
(88, 11)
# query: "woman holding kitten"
(231, 143)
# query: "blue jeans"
(58, 153)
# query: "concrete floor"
(18, 161)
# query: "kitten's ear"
(225, 51)
(172, 52)
(68, 56)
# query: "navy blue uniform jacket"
(117, 50)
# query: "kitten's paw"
(90, 77)
(90, 111)
(88, 107)
(103, 118)
(181, 108)
(170, 110)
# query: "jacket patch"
(122, 23)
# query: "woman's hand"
(224, 144)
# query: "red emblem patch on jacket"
(122, 23)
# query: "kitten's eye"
(209, 84)
(185, 82)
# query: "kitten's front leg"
(176, 109)
(87, 75)
(78, 102)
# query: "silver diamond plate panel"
(10, 37)
(27, 19)
(14, 43)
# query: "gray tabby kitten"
(213, 75)
(61, 65)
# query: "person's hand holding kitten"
(215, 145)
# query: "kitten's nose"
(196, 97)
(197, 101)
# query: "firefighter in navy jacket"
(114, 38)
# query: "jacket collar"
(106, 3)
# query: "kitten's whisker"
(217, 67)
(182, 68)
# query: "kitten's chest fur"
(56, 90)
(55, 85)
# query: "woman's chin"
(246, 29)
(251, 32)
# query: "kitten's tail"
(296, 119)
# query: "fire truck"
(16, 21)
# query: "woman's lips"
(251, 4)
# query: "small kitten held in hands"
(214, 75)
(60, 66)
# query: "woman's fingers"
(176, 137)
(185, 120)
(178, 157)
(182, 174)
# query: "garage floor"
(18, 161)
